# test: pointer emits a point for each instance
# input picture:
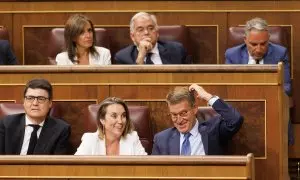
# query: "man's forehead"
(143, 21)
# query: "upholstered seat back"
(206, 112)
(278, 35)
(139, 116)
(57, 41)
(16, 108)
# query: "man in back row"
(258, 50)
(147, 49)
(34, 132)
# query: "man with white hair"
(258, 50)
(147, 49)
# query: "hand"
(200, 92)
(145, 46)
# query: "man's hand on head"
(200, 92)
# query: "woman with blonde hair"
(115, 135)
(80, 39)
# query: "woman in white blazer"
(115, 135)
(80, 42)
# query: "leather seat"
(139, 116)
(57, 42)
(16, 108)
(278, 35)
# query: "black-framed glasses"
(40, 99)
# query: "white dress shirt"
(104, 57)
(91, 144)
(155, 57)
(253, 61)
(27, 134)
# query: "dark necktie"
(148, 58)
(33, 138)
(257, 61)
(186, 146)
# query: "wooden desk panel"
(256, 91)
(127, 167)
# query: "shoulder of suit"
(126, 49)
(60, 122)
(102, 49)
(277, 47)
(9, 119)
(169, 43)
(132, 135)
(166, 132)
(236, 48)
(90, 135)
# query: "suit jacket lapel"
(204, 136)
(46, 134)
(244, 56)
(163, 53)
(268, 58)
(174, 143)
(134, 54)
(19, 137)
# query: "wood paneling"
(128, 167)
(256, 91)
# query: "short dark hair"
(178, 94)
(39, 84)
(102, 112)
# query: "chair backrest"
(278, 35)
(139, 116)
(57, 41)
(4, 34)
(178, 33)
(16, 108)
(206, 112)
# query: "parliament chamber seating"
(57, 42)
(278, 35)
(115, 39)
(139, 116)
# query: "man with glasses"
(147, 49)
(34, 132)
(192, 136)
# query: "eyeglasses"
(141, 30)
(40, 99)
(182, 114)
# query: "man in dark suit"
(258, 50)
(7, 57)
(147, 49)
(34, 132)
(192, 136)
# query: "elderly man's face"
(257, 43)
(144, 29)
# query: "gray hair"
(142, 15)
(257, 24)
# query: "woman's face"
(85, 39)
(115, 120)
